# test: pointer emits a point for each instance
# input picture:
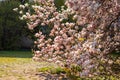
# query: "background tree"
(11, 27)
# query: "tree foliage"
(11, 28)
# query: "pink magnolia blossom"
(93, 30)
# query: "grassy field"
(18, 65)
(16, 54)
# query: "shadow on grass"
(16, 54)
(48, 76)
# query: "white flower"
(37, 52)
(33, 6)
(24, 16)
(28, 14)
(21, 12)
(75, 17)
(26, 4)
(21, 18)
(15, 9)
(110, 62)
(37, 35)
(22, 6)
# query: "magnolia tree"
(81, 32)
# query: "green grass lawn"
(16, 54)
(18, 65)
(9, 57)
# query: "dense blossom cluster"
(80, 34)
